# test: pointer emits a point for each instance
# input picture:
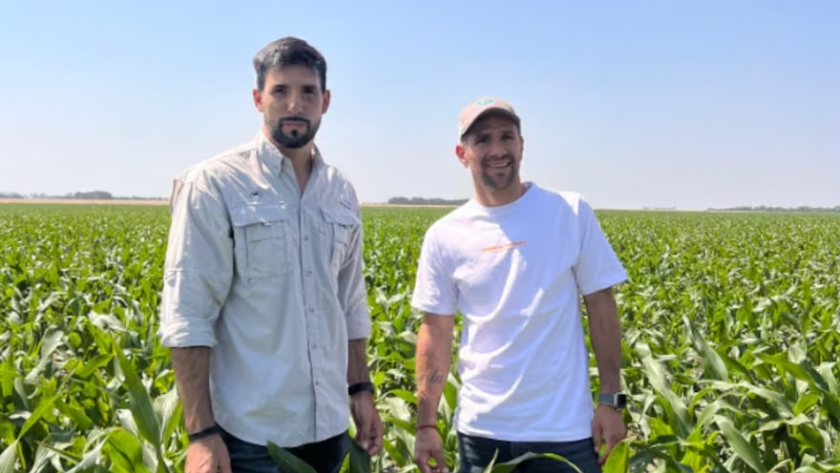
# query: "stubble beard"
(491, 183)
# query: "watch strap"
(212, 430)
(359, 387)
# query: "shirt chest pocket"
(336, 231)
(263, 235)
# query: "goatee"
(295, 138)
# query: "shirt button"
(309, 273)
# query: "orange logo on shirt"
(504, 247)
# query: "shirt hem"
(513, 434)
(245, 434)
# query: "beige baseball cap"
(478, 108)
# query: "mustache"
(299, 120)
(293, 120)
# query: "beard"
(295, 138)
(490, 175)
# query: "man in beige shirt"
(264, 303)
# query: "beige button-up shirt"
(271, 279)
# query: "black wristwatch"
(615, 400)
(212, 430)
(359, 387)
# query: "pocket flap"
(341, 216)
(264, 213)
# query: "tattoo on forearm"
(432, 378)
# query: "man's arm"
(605, 333)
(357, 367)
(435, 295)
(191, 366)
(352, 294)
(197, 277)
(433, 358)
(598, 269)
(354, 297)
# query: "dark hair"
(289, 51)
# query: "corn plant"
(731, 339)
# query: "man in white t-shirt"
(515, 261)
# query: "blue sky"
(688, 104)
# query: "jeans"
(476, 453)
(325, 456)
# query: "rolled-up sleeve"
(198, 268)
(352, 293)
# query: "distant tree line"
(424, 201)
(105, 195)
(90, 195)
(765, 208)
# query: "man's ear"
(325, 105)
(257, 99)
(459, 151)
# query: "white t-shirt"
(516, 273)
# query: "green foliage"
(731, 340)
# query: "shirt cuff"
(358, 325)
(183, 334)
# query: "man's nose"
(497, 149)
(295, 103)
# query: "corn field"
(731, 340)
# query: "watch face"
(618, 400)
(621, 400)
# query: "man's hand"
(368, 424)
(427, 446)
(208, 455)
(608, 427)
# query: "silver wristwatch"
(616, 400)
